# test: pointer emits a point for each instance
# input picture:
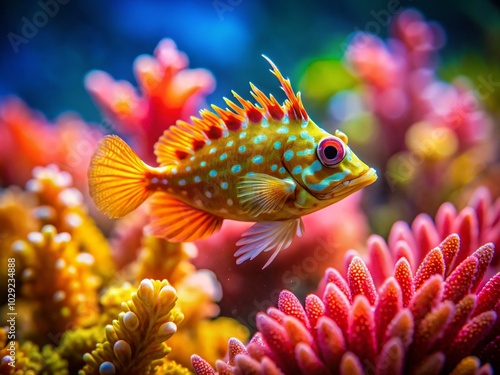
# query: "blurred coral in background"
(434, 139)
(168, 92)
(402, 277)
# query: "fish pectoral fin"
(261, 193)
(176, 221)
(267, 236)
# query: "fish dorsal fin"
(294, 107)
(176, 221)
(183, 139)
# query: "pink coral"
(168, 92)
(434, 137)
(433, 320)
(477, 223)
(406, 309)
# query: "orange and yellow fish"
(265, 163)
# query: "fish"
(255, 162)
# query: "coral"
(168, 92)
(67, 297)
(433, 320)
(28, 139)
(198, 292)
(61, 205)
(16, 222)
(172, 368)
(208, 338)
(434, 137)
(477, 223)
(174, 265)
(29, 359)
(75, 342)
(135, 342)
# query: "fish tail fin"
(119, 181)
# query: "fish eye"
(331, 151)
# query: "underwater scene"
(250, 187)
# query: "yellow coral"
(161, 259)
(61, 205)
(16, 222)
(58, 281)
(172, 368)
(198, 292)
(111, 301)
(78, 341)
(209, 337)
(27, 359)
(135, 341)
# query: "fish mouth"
(348, 187)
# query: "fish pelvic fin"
(119, 181)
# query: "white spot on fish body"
(229, 202)
(213, 150)
(208, 194)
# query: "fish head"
(325, 166)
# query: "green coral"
(135, 341)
